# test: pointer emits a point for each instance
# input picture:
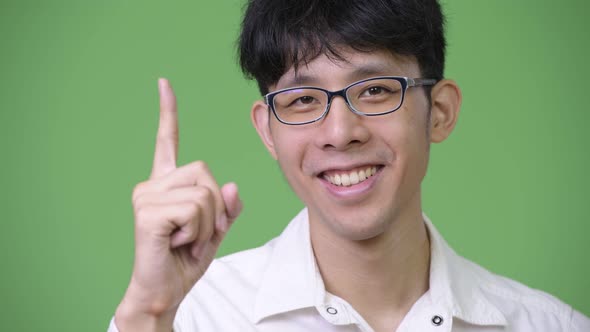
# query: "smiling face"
(356, 174)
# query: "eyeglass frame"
(406, 82)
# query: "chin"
(360, 235)
(356, 227)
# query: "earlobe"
(445, 106)
(260, 116)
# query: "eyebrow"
(373, 69)
(359, 73)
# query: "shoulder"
(232, 283)
(248, 264)
(238, 273)
(523, 306)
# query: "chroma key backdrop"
(78, 113)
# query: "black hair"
(278, 34)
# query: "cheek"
(290, 150)
(415, 121)
(289, 147)
(418, 147)
(407, 137)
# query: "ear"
(445, 105)
(260, 116)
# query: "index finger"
(167, 137)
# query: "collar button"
(437, 320)
(331, 310)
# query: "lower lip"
(353, 192)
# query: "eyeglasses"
(369, 97)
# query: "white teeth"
(351, 178)
(337, 180)
(362, 175)
(354, 178)
(345, 180)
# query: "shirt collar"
(292, 280)
(455, 284)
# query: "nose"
(341, 129)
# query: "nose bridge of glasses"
(339, 93)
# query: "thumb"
(233, 204)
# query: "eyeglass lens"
(369, 97)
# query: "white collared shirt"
(278, 288)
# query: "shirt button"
(331, 310)
(437, 320)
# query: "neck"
(381, 277)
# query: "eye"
(299, 99)
(304, 100)
(375, 90)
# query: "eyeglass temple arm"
(421, 81)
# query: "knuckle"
(202, 195)
(138, 190)
(142, 219)
(206, 231)
(193, 209)
(168, 138)
(212, 198)
(200, 166)
(138, 202)
(205, 192)
(142, 215)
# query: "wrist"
(137, 312)
(130, 318)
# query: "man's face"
(394, 146)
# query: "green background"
(78, 117)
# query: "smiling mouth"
(350, 178)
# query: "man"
(353, 96)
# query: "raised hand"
(181, 216)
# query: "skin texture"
(370, 241)
(181, 216)
(398, 142)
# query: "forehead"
(330, 72)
